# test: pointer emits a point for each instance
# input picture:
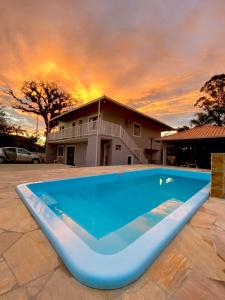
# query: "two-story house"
(104, 132)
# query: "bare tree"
(43, 98)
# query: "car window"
(13, 150)
(23, 151)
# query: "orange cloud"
(150, 56)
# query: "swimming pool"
(109, 228)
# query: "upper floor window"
(136, 129)
(80, 121)
(74, 123)
(61, 127)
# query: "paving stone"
(216, 208)
(169, 269)
(7, 239)
(62, 286)
(150, 291)
(35, 268)
(215, 200)
(16, 218)
(7, 280)
(31, 257)
(198, 287)
(200, 253)
(206, 234)
(36, 285)
(219, 242)
(17, 294)
(203, 220)
(220, 224)
(9, 199)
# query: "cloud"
(153, 55)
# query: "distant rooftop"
(200, 132)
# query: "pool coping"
(112, 270)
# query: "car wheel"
(35, 161)
(2, 160)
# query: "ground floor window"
(60, 151)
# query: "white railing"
(115, 130)
(100, 127)
(77, 131)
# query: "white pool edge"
(114, 270)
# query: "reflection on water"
(122, 237)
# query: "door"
(129, 160)
(23, 155)
(70, 156)
(105, 153)
(10, 154)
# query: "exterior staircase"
(115, 130)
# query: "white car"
(14, 154)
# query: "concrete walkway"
(192, 266)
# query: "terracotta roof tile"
(200, 132)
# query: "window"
(74, 123)
(136, 129)
(61, 127)
(80, 121)
(12, 150)
(118, 147)
(60, 151)
(23, 151)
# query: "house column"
(164, 153)
(93, 152)
(50, 153)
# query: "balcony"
(100, 127)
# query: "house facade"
(104, 132)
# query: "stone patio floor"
(192, 266)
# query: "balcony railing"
(78, 131)
(91, 128)
(100, 127)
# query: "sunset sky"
(151, 54)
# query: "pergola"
(198, 143)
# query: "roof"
(200, 132)
(167, 127)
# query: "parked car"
(14, 154)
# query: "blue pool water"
(111, 213)
(109, 228)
